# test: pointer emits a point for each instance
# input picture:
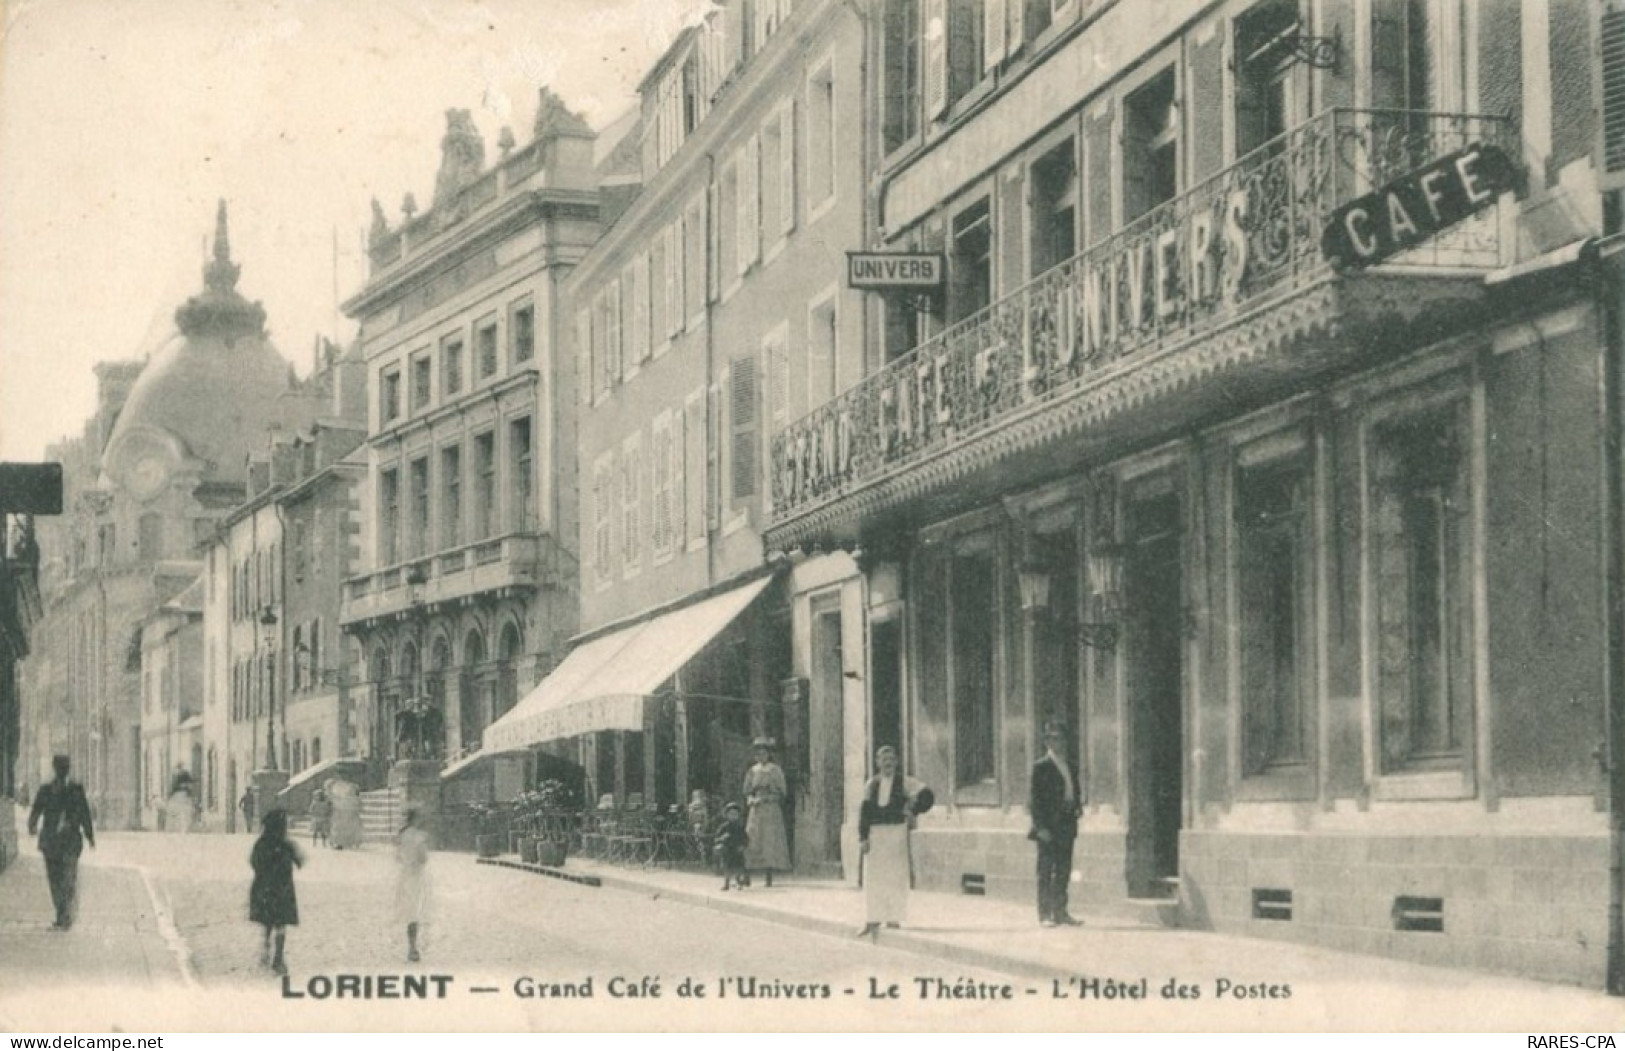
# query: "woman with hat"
(891, 799)
(766, 845)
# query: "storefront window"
(1272, 573)
(974, 620)
(1419, 529)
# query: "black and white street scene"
(718, 515)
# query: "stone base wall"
(1008, 863)
(1534, 906)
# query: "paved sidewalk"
(112, 961)
(1108, 957)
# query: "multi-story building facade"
(1237, 437)
(19, 608)
(465, 587)
(709, 313)
(172, 684)
(160, 463)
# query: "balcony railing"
(523, 559)
(1244, 237)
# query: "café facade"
(1258, 430)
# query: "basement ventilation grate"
(1418, 914)
(1272, 903)
(973, 883)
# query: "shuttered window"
(603, 479)
(695, 480)
(787, 166)
(631, 504)
(1611, 36)
(748, 231)
(743, 427)
(936, 58)
(660, 488)
(994, 33)
(640, 309)
(584, 355)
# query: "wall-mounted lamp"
(268, 627)
(1105, 566)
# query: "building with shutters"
(161, 462)
(464, 592)
(711, 313)
(1264, 430)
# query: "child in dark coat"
(271, 901)
(730, 847)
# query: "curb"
(918, 944)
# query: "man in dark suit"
(1053, 804)
(61, 815)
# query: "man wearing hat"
(61, 816)
(1053, 804)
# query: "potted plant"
(488, 843)
(553, 827)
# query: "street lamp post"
(268, 630)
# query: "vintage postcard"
(906, 515)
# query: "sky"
(122, 122)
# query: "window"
(631, 503)
(389, 510)
(693, 263)
(743, 428)
(421, 366)
(696, 466)
(485, 348)
(522, 332)
(636, 282)
(389, 395)
(771, 187)
(451, 350)
(785, 200)
(451, 496)
(485, 484)
(1033, 17)
(418, 478)
(900, 42)
(1419, 531)
(660, 287)
(661, 464)
(299, 543)
(628, 319)
(1273, 574)
(821, 136)
(964, 51)
(973, 617)
(1409, 78)
(1150, 146)
(970, 264)
(728, 214)
(1054, 207)
(603, 487)
(315, 750)
(584, 356)
(691, 94)
(822, 352)
(1264, 65)
(519, 452)
(749, 201)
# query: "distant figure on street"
(271, 900)
(412, 887)
(766, 846)
(730, 847)
(891, 800)
(246, 805)
(1053, 804)
(345, 826)
(61, 816)
(321, 817)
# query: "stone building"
(709, 314)
(163, 459)
(1254, 432)
(465, 588)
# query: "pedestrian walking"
(1053, 805)
(246, 805)
(344, 826)
(412, 886)
(321, 817)
(891, 800)
(767, 847)
(271, 900)
(61, 816)
(730, 847)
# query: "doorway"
(1153, 641)
(886, 684)
(820, 831)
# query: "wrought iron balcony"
(1247, 237)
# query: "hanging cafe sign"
(894, 271)
(1416, 206)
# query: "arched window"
(507, 694)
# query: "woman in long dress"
(891, 799)
(766, 845)
(412, 888)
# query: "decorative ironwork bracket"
(1319, 52)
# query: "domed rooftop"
(207, 396)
